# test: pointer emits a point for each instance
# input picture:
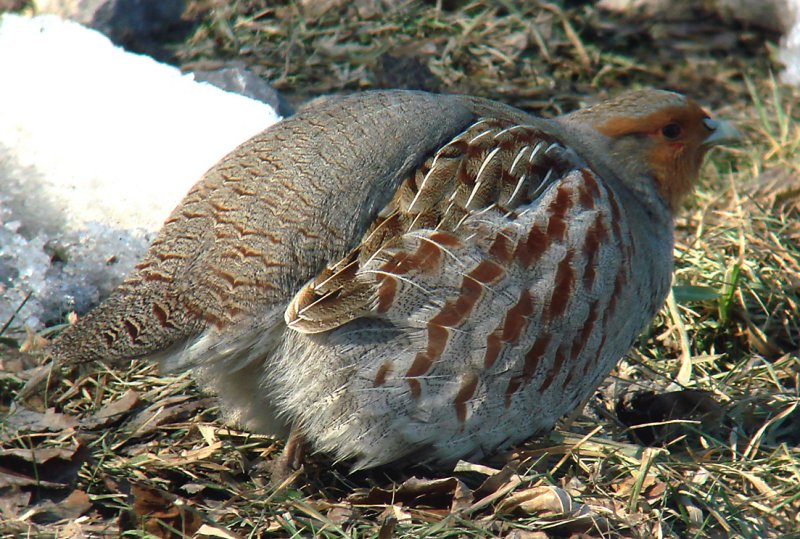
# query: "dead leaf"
(43, 467)
(412, 492)
(193, 488)
(694, 513)
(495, 482)
(13, 479)
(14, 361)
(76, 504)
(12, 500)
(462, 497)
(652, 487)
(526, 534)
(341, 514)
(216, 531)
(37, 379)
(112, 411)
(160, 514)
(33, 342)
(73, 530)
(541, 500)
(387, 527)
(512, 44)
(39, 455)
(496, 486)
(167, 410)
(395, 513)
(555, 503)
(70, 508)
(26, 421)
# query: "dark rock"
(13, 5)
(660, 418)
(137, 25)
(405, 73)
(773, 15)
(238, 79)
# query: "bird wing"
(495, 168)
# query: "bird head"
(654, 134)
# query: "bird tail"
(128, 325)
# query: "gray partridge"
(396, 275)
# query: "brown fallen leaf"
(111, 412)
(77, 529)
(70, 508)
(12, 479)
(157, 513)
(526, 534)
(22, 420)
(496, 481)
(555, 503)
(652, 487)
(541, 500)
(13, 500)
(167, 410)
(40, 455)
(208, 530)
(341, 514)
(37, 379)
(496, 486)
(12, 361)
(462, 497)
(33, 342)
(43, 467)
(387, 527)
(395, 514)
(413, 491)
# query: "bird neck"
(615, 164)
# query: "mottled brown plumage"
(399, 273)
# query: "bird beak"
(721, 133)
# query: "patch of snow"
(97, 146)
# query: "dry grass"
(715, 380)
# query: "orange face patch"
(677, 151)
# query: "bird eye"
(671, 131)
